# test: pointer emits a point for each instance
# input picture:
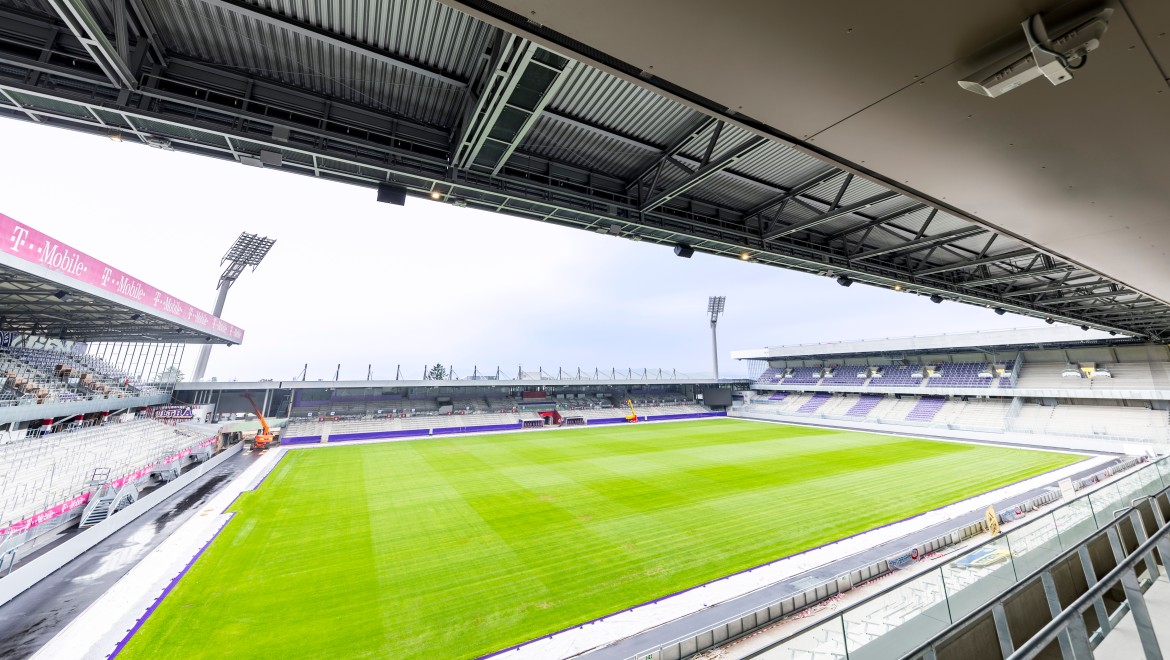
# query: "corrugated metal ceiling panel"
(199, 30)
(598, 98)
(586, 148)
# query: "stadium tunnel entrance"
(550, 417)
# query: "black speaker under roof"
(392, 194)
(683, 250)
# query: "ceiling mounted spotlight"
(61, 295)
(897, 287)
(135, 317)
(935, 298)
(436, 194)
(1000, 311)
(1085, 328)
(683, 250)
(745, 256)
(1112, 333)
(844, 281)
(1049, 321)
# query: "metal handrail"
(1073, 613)
(926, 646)
(925, 649)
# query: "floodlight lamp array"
(715, 306)
(248, 250)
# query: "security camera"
(1051, 57)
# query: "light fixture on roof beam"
(745, 256)
(844, 281)
(897, 287)
(935, 298)
(1085, 328)
(61, 295)
(135, 317)
(116, 136)
(1112, 333)
(683, 250)
(1054, 57)
(1050, 321)
(1000, 311)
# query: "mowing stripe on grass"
(458, 547)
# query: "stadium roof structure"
(992, 341)
(51, 289)
(479, 106)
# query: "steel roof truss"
(82, 24)
(1018, 275)
(523, 80)
(972, 263)
(705, 171)
(925, 241)
(834, 212)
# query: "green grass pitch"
(457, 547)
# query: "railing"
(1067, 627)
(899, 619)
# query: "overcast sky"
(356, 282)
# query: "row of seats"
(1122, 375)
(31, 376)
(975, 414)
(986, 414)
(949, 374)
(40, 471)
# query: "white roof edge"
(978, 339)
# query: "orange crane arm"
(259, 415)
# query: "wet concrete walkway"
(34, 617)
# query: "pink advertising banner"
(133, 476)
(34, 247)
(177, 457)
(46, 515)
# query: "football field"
(458, 547)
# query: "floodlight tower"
(248, 250)
(715, 308)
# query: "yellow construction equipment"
(264, 437)
(633, 416)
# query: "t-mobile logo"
(17, 240)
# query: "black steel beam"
(972, 263)
(745, 147)
(925, 241)
(1018, 275)
(831, 214)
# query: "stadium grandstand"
(1044, 381)
(88, 357)
(991, 494)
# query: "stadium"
(990, 493)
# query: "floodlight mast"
(248, 250)
(715, 308)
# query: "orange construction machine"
(633, 416)
(264, 437)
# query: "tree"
(172, 374)
(437, 372)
